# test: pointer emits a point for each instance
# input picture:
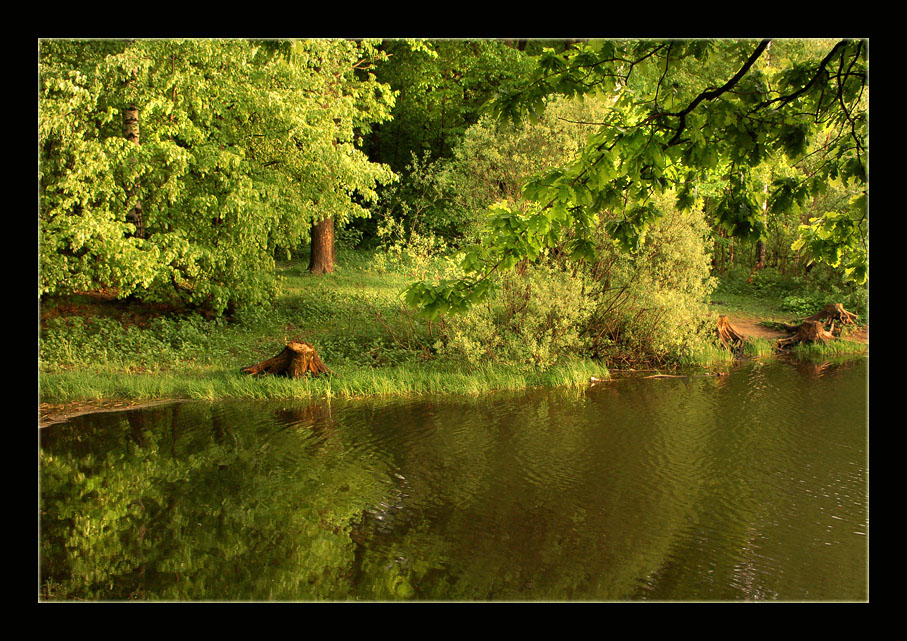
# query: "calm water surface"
(752, 486)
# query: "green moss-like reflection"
(745, 487)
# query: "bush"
(652, 304)
(802, 305)
(642, 308)
(540, 319)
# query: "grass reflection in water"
(746, 487)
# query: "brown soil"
(749, 327)
(50, 413)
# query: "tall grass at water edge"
(354, 318)
(373, 344)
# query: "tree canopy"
(177, 170)
(241, 145)
(683, 113)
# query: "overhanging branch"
(712, 94)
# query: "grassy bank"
(98, 350)
(94, 350)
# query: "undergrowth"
(355, 318)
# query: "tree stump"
(727, 334)
(833, 312)
(296, 360)
(810, 331)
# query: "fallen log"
(295, 360)
(809, 331)
(727, 334)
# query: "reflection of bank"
(316, 417)
(745, 486)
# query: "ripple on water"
(750, 486)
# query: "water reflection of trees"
(639, 489)
(198, 502)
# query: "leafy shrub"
(539, 318)
(641, 307)
(412, 253)
(802, 305)
(651, 304)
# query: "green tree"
(442, 85)
(243, 146)
(680, 112)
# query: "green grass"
(354, 317)
(758, 347)
(374, 345)
(830, 351)
(346, 382)
(725, 302)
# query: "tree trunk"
(719, 251)
(321, 259)
(296, 360)
(810, 331)
(727, 334)
(833, 312)
(131, 133)
(760, 260)
(760, 254)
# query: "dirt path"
(749, 326)
(50, 413)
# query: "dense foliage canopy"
(685, 113)
(240, 147)
(177, 170)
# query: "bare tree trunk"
(131, 133)
(760, 260)
(321, 258)
(718, 257)
(760, 244)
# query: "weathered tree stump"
(810, 331)
(833, 312)
(296, 360)
(727, 334)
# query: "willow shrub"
(539, 318)
(647, 307)
(652, 304)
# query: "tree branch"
(819, 71)
(712, 94)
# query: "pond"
(747, 487)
